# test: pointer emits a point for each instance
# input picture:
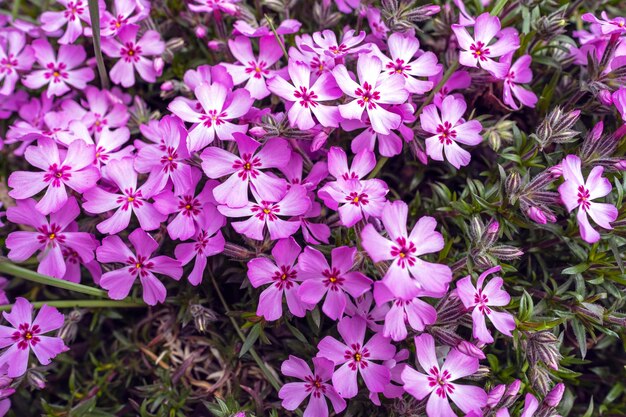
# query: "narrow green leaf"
(252, 337)
(94, 13)
(581, 336)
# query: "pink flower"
(576, 192)
(133, 55)
(55, 238)
(325, 43)
(26, 335)
(438, 381)
(129, 199)
(315, 386)
(619, 100)
(459, 80)
(108, 146)
(407, 275)
(282, 275)
(193, 212)
(478, 51)
(519, 73)
(607, 26)
(403, 48)
(251, 69)
(167, 161)
(413, 311)
(373, 91)
(264, 213)
(76, 171)
(138, 264)
(479, 299)
(75, 12)
(104, 111)
(354, 356)
(336, 281)
(305, 98)
(208, 242)
(286, 27)
(246, 170)
(317, 61)
(58, 72)
(214, 6)
(217, 106)
(365, 308)
(125, 12)
(15, 58)
(449, 129)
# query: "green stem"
(16, 8)
(379, 165)
(94, 13)
(17, 271)
(498, 7)
(81, 303)
(278, 38)
(438, 87)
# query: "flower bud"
(621, 165)
(513, 388)
(202, 317)
(512, 183)
(553, 398)
(506, 252)
(158, 65)
(238, 252)
(214, 45)
(257, 132)
(495, 395)
(537, 215)
(167, 86)
(68, 331)
(36, 379)
(605, 97)
(200, 32)
(470, 349)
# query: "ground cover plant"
(312, 208)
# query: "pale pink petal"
(468, 397)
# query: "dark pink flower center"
(189, 206)
(100, 122)
(116, 23)
(338, 50)
(56, 175)
(73, 9)
(314, 385)
(357, 356)
(357, 199)
(333, 279)
(481, 301)
(50, 235)
(307, 98)
(101, 154)
(56, 72)
(479, 51)
(266, 211)
(583, 197)
(7, 64)
(130, 52)
(285, 277)
(398, 67)
(404, 251)
(367, 97)
(202, 241)
(317, 66)
(26, 335)
(170, 159)
(257, 69)
(213, 118)
(441, 380)
(130, 198)
(140, 265)
(247, 166)
(446, 133)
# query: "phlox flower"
(193, 212)
(27, 334)
(376, 23)
(125, 12)
(127, 200)
(55, 238)
(207, 242)
(478, 51)
(76, 12)
(246, 170)
(412, 311)
(325, 43)
(31, 124)
(315, 386)
(319, 63)
(607, 26)
(372, 91)
(459, 80)
(449, 129)
(207, 74)
(5, 391)
(133, 55)
(215, 7)
(394, 389)
(362, 164)
(365, 308)
(480, 299)
(407, 275)
(58, 72)
(437, 382)
(218, 105)
(15, 58)
(305, 98)
(167, 161)
(251, 70)
(286, 27)
(619, 100)
(100, 110)
(262, 213)
(76, 171)
(403, 48)
(577, 193)
(282, 275)
(139, 264)
(353, 357)
(519, 73)
(108, 145)
(335, 282)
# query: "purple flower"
(576, 192)
(459, 80)
(26, 334)
(336, 281)
(478, 51)
(55, 238)
(403, 48)
(251, 69)
(305, 98)
(76, 171)
(108, 146)
(519, 73)
(365, 308)
(75, 12)
(479, 299)
(315, 386)
(449, 129)
(619, 100)
(104, 111)
(139, 264)
(264, 213)
(354, 356)
(211, 116)
(325, 43)
(214, 7)
(438, 381)
(15, 58)
(607, 26)
(125, 12)
(167, 160)
(129, 199)
(407, 275)
(373, 91)
(246, 170)
(282, 275)
(133, 55)
(58, 72)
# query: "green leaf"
(252, 337)
(581, 336)
(576, 269)
(94, 14)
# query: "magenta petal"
(48, 348)
(16, 359)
